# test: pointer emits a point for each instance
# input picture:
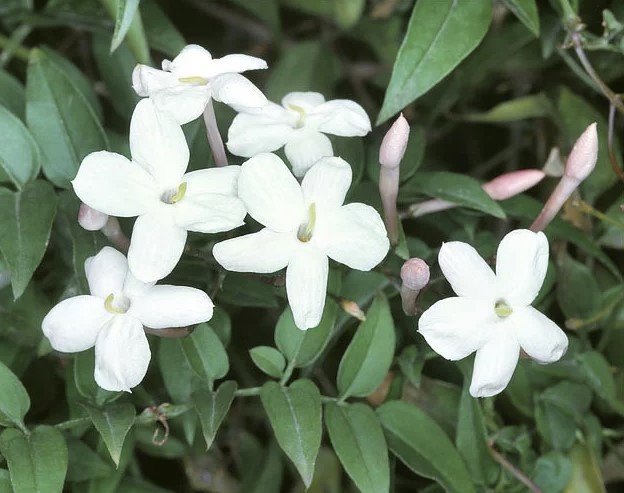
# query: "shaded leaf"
(113, 423)
(212, 407)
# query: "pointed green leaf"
(25, 222)
(358, 440)
(126, 10)
(113, 423)
(295, 416)
(526, 11)
(19, 153)
(12, 95)
(14, 400)
(269, 360)
(37, 462)
(368, 358)
(205, 353)
(212, 407)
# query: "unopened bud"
(415, 276)
(510, 184)
(353, 309)
(582, 159)
(394, 143)
(90, 219)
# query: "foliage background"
(519, 92)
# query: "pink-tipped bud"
(415, 274)
(582, 159)
(394, 143)
(90, 219)
(510, 184)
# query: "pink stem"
(214, 137)
(555, 202)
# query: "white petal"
(271, 193)
(156, 245)
(306, 101)
(340, 117)
(306, 285)
(74, 323)
(468, 274)
(252, 134)
(223, 180)
(353, 235)
(122, 354)
(235, 63)
(263, 252)
(190, 62)
(147, 80)
(539, 336)
(237, 91)
(327, 183)
(456, 327)
(106, 272)
(172, 306)
(110, 183)
(305, 147)
(494, 366)
(210, 213)
(521, 263)
(158, 144)
(182, 102)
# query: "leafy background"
(247, 403)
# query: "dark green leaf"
(14, 400)
(25, 222)
(269, 360)
(212, 407)
(552, 472)
(295, 415)
(526, 11)
(113, 423)
(358, 440)
(175, 370)
(12, 95)
(84, 463)
(161, 33)
(440, 34)
(368, 358)
(578, 293)
(126, 10)
(599, 377)
(534, 106)
(205, 353)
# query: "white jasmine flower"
(112, 318)
(154, 187)
(300, 125)
(304, 225)
(492, 313)
(186, 84)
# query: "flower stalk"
(214, 136)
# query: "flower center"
(301, 112)
(194, 80)
(117, 306)
(304, 233)
(173, 196)
(502, 309)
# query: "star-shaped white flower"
(186, 84)
(112, 318)
(300, 125)
(304, 225)
(154, 187)
(492, 314)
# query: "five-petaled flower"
(186, 84)
(113, 316)
(154, 187)
(300, 125)
(492, 313)
(304, 225)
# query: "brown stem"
(517, 473)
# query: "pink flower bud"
(90, 219)
(394, 143)
(582, 159)
(510, 184)
(415, 274)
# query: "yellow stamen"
(502, 309)
(306, 229)
(179, 194)
(195, 80)
(108, 304)
(302, 114)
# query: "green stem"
(251, 391)
(11, 47)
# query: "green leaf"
(162, 35)
(14, 400)
(423, 446)
(269, 360)
(60, 118)
(526, 11)
(266, 475)
(12, 95)
(358, 440)
(25, 222)
(578, 293)
(575, 115)
(305, 345)
(552, 472)
(267, 11)
(175, 370)
(212, 407)
(367, 360)
(599, 377)
(5, 482)
(534, 106)
(205, 353)
(113, 423)
(84, 463)
(295, 416)
(126, 11)
(586, 474)
(37, 462)
(241, 290)
(462, 190)
(440, 34)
